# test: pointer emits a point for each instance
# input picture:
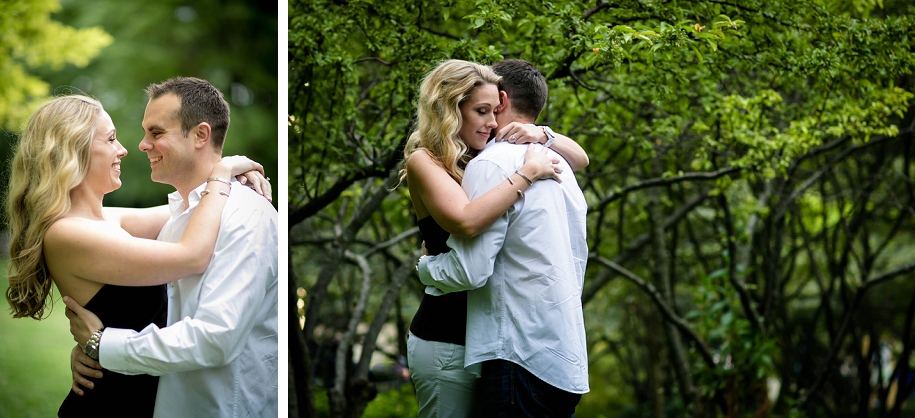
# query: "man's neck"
(195, 177)
(523, 119)
(513, 116)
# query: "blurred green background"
(112, 50)
(231, 43)
(34, 362)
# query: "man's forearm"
(445, 273)
(189, 344)
(468, 265)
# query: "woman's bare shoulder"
(421, 162)
(71, 228)
(420, 157)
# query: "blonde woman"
(67, 159)
(456, 111)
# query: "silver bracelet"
(529, 182)
(222, 180)
(207, 191)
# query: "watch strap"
(550, 135)
(92, 345)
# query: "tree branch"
(638, 243)
(376, 59)
(337, 395)
(403, 272)
(665, 309)
(783, 204)
(298, 214)
(735, 5)
(846, 320)
(601, 5)
(614, 195)
(737, 282)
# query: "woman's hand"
(236, 165)
(539, 163)
(81, 367)
(82, 322)
(247, 171)
(521, 133)
(256, 181)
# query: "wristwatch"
(550, 136)
(92, 345)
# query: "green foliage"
(399, 402)
(31, 39)
(774, 136)
(149, 42)
(34, 359)
(56, 47)
(394, 403)
(745, 357)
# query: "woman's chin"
(476, 146)
(114, 186)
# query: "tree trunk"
(662, 267)
(301, 392)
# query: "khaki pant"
(443, 387)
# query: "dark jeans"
(507, 390)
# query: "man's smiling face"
(171, 153)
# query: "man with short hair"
(218, 355)
(524, 274)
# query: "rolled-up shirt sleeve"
(470, 262)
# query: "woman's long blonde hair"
(52, 158)
(438, 113)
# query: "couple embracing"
(174, 308)
(500, 329)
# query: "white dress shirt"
(527, 270)
(218, 355)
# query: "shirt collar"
(176, 202)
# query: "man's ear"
(201, 134)
(503, 101)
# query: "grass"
(34, 361)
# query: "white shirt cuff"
(112, 347)
(425, 276)
(422, 267)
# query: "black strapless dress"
(439, 318)
(117, 394)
